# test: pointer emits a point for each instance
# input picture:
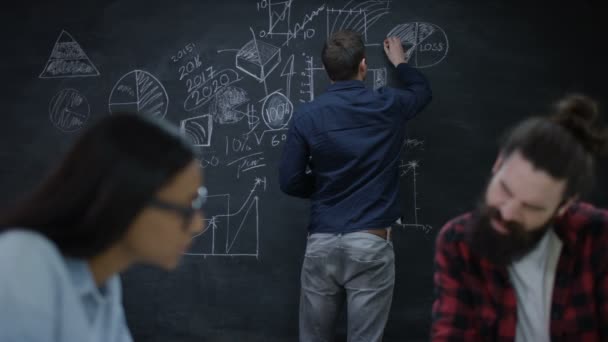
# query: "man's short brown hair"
(341, 55)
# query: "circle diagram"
(277, 111)
(69, 110)
(426, 43)
(139, 91)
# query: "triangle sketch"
(68, 59)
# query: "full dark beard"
(501, 249)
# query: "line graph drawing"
(69, 110)
(300, 27)
(426, 43)
(139, 91)
(68, 59)
(258, 59)
(198, 130)
(279, 21)
(279, 17)
(234, 234)
(410, 168)
(358, 18)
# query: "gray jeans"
(358, 267)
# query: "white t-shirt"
(533, 278)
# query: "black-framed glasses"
(185, 211)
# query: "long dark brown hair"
(112, 171)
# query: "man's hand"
(394, 50)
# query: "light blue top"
(45, 296)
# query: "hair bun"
(579, 114)
(576, 105)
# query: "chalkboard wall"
(231, 74)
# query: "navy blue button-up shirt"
(343, 149)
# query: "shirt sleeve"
(603, 305)
(293, 178)
(27, 292)
(602, 281)
(452, 313)
(415, 93)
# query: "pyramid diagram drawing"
(68, 60)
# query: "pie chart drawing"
(426, 43)
(69, 110)
(139, 91)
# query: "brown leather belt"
(384, 233)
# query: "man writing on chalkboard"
(531, 262)
(342, 151)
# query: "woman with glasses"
(129, 191)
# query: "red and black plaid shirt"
(475, 300)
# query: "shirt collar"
(344, 85)
(568, 225)
(82, 279)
